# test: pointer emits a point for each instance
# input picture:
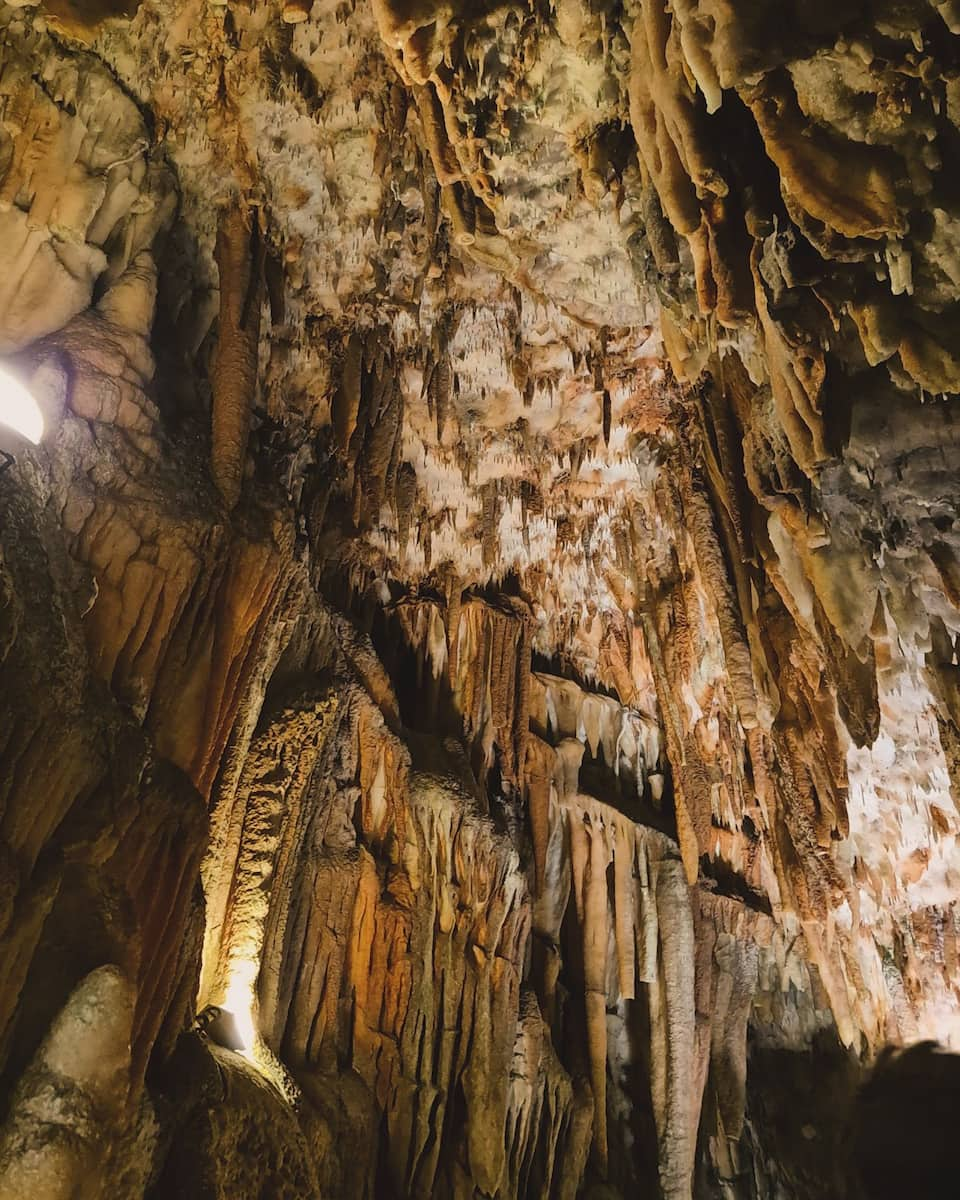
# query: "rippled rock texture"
(478, 638)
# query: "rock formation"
(479, 711)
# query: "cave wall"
(477, 637)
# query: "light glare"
(18, 409)
(239, 1000)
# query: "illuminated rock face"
(478, 669)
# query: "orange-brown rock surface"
(478, 636)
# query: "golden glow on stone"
(240, 1000)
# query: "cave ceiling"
(487, 597)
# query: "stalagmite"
(72, 1093)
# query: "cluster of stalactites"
(367, 418)
(482, 653)
(645, 936)
(696, 960)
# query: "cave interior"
(479, 592)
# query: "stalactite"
(595, 937)
(539, 768)
(489, 521)
(452, 626)
(239, 254)
(688, 802)
(522, 688)
(717, 576)
(406, 498)
(378, 448)
(625, 739)
(625, 914)
(346, 401)
(441, 385)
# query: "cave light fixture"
(21, 419)
(241, 1004)
(240, 1000)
